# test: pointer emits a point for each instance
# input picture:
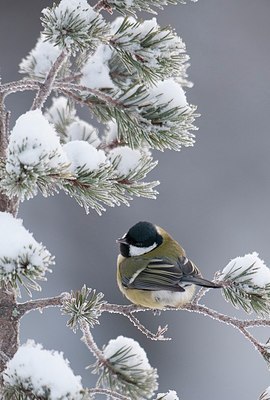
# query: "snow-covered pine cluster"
(131, 75)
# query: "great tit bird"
(153, 270)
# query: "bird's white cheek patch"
(138, 251)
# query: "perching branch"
(129, 311)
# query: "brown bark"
(9, 321)
(9, 326)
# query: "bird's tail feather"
(197, 280)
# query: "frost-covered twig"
(85, 89)
(3, 127)
(159, 335)
(200, 295)
(239, 324)
(107, 392)
(40, 304)
(46, 87)
(129, 311)
(103, 5)
(90, 343)
(19, 86)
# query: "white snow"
(170, 395)
(83, 131)
(40, 59)
(137, 355)
(83, 154)
(96, 72)
(111, 132)
(78, 7)
(139, 31)
(129, 159)
(168, 91)
(129, 3)
(260, 272)
(15, 243)
(164, 42)
(67, 11)
(40, 370)
(34, 143)
(59, 110)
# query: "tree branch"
(107, 392)
(90, 343)
(103, 5)
(81, 88)
(47, 86)
(40, 304)
(19, 86)
(129, 311)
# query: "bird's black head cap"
(143, 234)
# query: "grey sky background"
(214, 199)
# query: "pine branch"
(103, 5)
(19, 86)
(41, 304)
(139, 119)
(153, 52)
(47, 86)
(73, 28)
(142, 5)
(90, 343)
(110, 394)
(96, 308)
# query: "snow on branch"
(154, 52)
(45, 374)
(170, 395)
(22, 259)
(36, 161)
(143, 116)
(35, 158)
(73, 25)
(248, 284)
(40, 60)
(133, 6)
(62, 113)
(126, 369)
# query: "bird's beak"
(121, 240)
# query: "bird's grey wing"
(159, 274)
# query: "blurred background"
(214, 199)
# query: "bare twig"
(47, 86)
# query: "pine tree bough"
(130, 75)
